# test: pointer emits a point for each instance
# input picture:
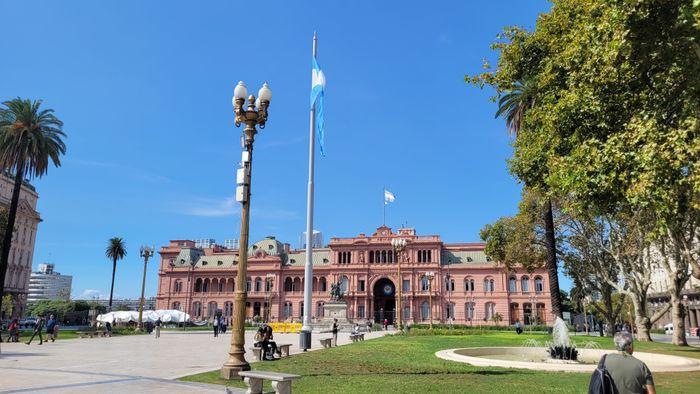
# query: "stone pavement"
(135, 364)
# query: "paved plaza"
(136, 364)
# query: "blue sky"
(144, 89)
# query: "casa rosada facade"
(466, 286)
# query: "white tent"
(165, 315)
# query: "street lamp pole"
(399, 245)
(254, 115)
(269, 278)
(430, 275)
(146, 253)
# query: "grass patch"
(24, 335)
(395, 364)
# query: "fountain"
(561, 348)
(559, 355)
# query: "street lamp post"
(430, 275)
(146, 253)
(269, 279)
(190, 293)
(533, 301)
(399, 245)
(254, 115)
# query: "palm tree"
(513, 106)
(116, 250)
(30, 139)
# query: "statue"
(336, 293)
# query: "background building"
(22, 251)
(467, 287)
(316, 240)
(47, 284)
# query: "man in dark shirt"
(630, 375)
(335, 332)
(50, 328)
(37, 330)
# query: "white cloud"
(210, 207)
(90, 294)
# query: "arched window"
(248, 284)
(322, 284)
(197, 309)
(425, 310)
(450, 285)
(214, 285)
(469, 311)
(287, 311)
(468, 284)
(424, 283)
(230, 285)
(296, 285)
(538, 285)
(176, 306)
(314, 284)
(344, 284)
(391, 256)
(512, 284)
(383, 256)
(450, 310)
(198, 285)
(525, 284)
(288, 284)
(490, 310)
(371, 256)
(258, 284)
(205, 286)
(222, 284)
(488, 285)
(319, 309)
(212, 309)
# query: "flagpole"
(305, 335)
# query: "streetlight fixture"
(146, 253)
(430, 275)
(399, 245)
(254, 115)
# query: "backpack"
(601, 380)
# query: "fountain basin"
(537, 358)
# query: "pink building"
(467, 286)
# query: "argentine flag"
(318, 85)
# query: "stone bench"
(326, 342)
(281, 382)
(357, 337)
(282, 351)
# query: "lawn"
(24, 335)
(408, 364)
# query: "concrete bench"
(283, 349)
(326, 342)
(281, 382)
(92, 333)
(257, 352)
(357, 337)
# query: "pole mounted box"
(245, 156)
(240, 176)
(241, 194)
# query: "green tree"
(616, 122)
(7, 305)
(30, 139)
(116, 250)
(58, 308)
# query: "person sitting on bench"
(269, 346)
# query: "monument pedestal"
(335, 310)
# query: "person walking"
(50, 327)
(628, 373)
(335, 332)
(37, 330)
(518, 327)
(158, 324)
(386, 324)
(216, 326)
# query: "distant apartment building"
(26, 224)
(316, 240)
(47, 284)
(658, 297)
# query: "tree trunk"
(551, 264)
(641, 320)
(678, 319)
(111, 290)
(9, 229)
